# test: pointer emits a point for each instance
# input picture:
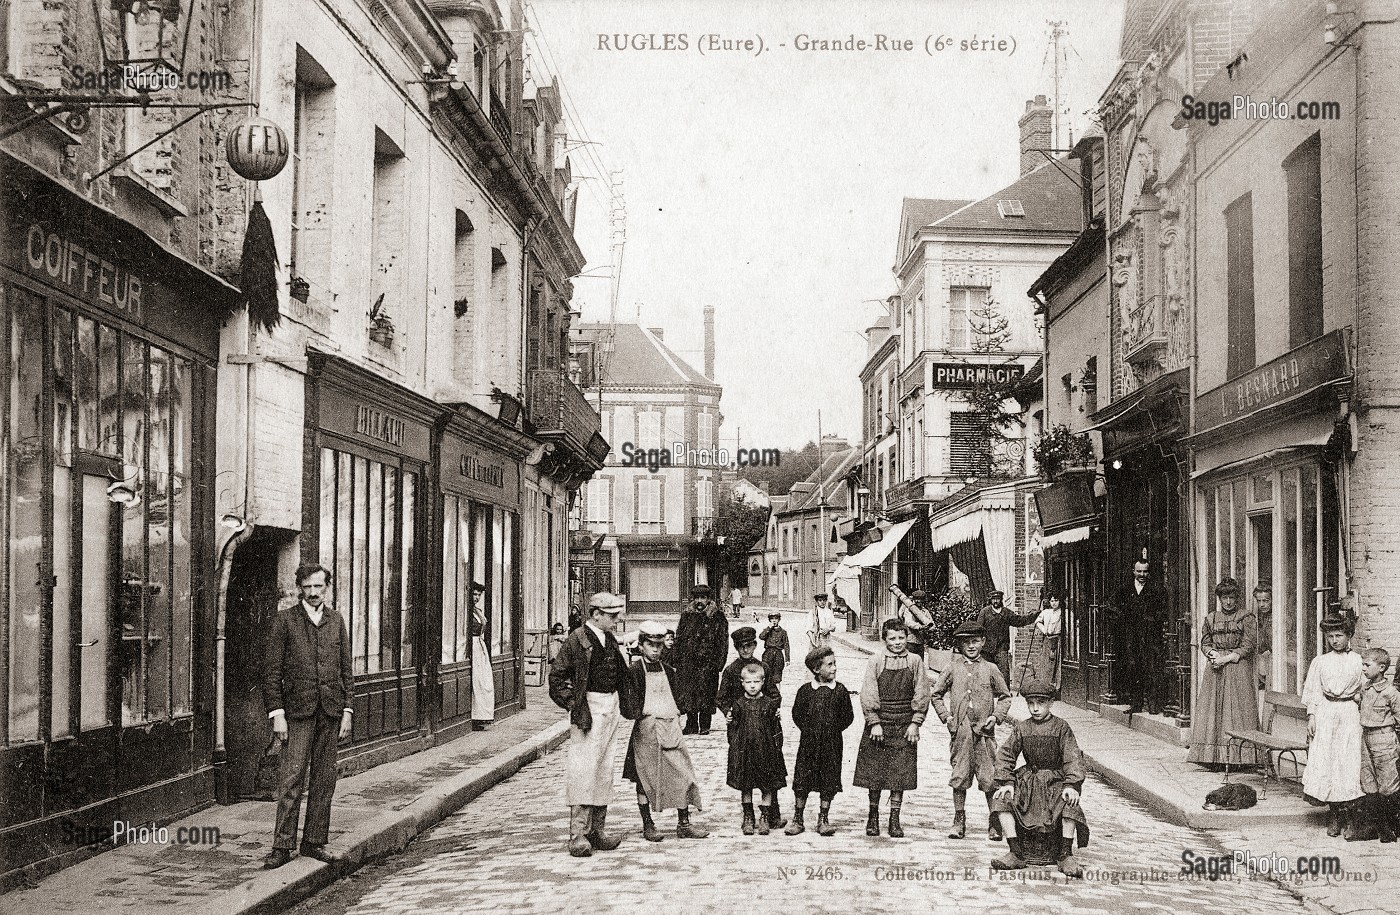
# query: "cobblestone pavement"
(505, 853)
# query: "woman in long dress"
(1042, 662)
(1228, 700)
(483, 681)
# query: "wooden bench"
(1266, 740)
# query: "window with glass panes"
(963, 301)
(369, 509)
(96, 476)
(478, 546)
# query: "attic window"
(1008, 208)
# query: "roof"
(1049, 194)
(826, 483)
(639, 357)
(917, 212)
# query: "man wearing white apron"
(822, 623)
(483, 680)
(585, 681)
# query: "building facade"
(808, 525)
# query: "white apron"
(592, 754)
(1333, 773)
(483, 682)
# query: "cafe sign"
(1286, 378)
(964, 375)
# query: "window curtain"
(999, 536)
(970, 557)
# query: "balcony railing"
(501, 120)
(702, 527)
(1146, 332)
(555, 404)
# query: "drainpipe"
(225, 567)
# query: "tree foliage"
(741, 524)
(987, 398)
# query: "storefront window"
(367, 521)
(26, 534)
(456, 580)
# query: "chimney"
(1035, 132)
(710, 342)
(658, 332)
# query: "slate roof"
(825, 480)
(640, 357)
(1050, 196)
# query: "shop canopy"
(1072, 535)
(877, 552)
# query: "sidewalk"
(376, 813)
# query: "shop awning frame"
(876, 553)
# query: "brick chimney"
(1035, 132)
(658, 332)
(710, 342)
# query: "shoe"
(796, 827)
(649, 830)
(1391, 817)
(824, 827)
(872, 822)
(315, 850)
(689, 729)
(747, 826)
(1361, 822)
(580, 819)
(959, 825)
(896, 831)
(775, 819)
(1068, 865)
(1334, 820)
(703, 732)
(599, 839)
(993, 828)
(276, 858)
(685, 829)
(1012, 860)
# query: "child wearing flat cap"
(1042, 796)
(980, 700)
(657, 761)
(776, 651)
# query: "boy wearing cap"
(587, 680)
(776, 653)
(822, 623)
(980, 701)
(1042, 796)
(657, 761)
(731, 689)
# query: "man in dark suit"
(996, 621)
(307, 689)
(1138, 614)
(702, 643)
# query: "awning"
(958, 530)
(1288, 440)
(1073, 535)
(879, 551)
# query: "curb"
(391, 832)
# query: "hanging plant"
(1058, 448)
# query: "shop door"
(1082, 649)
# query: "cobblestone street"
(505, 853)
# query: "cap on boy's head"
(744, 635)
(818, 597)
(970, 630)
(651, 631)
(1038, 689)
(816, 656)
(607, 602)
(700, 591)
(920, 594)
(1334, 622)
(774, 615)
(998, 594)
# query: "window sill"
(168, 206)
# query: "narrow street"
(505, 853)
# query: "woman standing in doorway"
(1228, 700)
(483, 680)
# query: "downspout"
(225, 568)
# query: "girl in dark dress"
(776, 653)
(755, 748)
(821, 712)
(894, 699)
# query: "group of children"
(1034, 806)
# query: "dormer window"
(1010, 209)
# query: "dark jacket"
(702, 644)
(996, 628)
(308, 666)
(1139, 621)
(731, 685)
(634, 697)
(568, 677)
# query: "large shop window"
(653, 580)
(105, 425)
(478, 545)
(368, 511)
(1276, 529)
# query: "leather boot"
(685, 829)
(959, 825)
(993, 828)
(599, 839)
(762, 825)
(1385, 819)
(797, 827)
(896, 831)
(1012, 860)
(1068, 866)
(1334, 819)
(872, 822)
(775, 819)
(580, 819)
(1392, 816)
(649, 830)
(747, 827)
(1361, 823)
(824, 827)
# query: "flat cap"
(607, 602)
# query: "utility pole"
(821, 497)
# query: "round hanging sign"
(256, 149)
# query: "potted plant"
(1058, 450)
(381, 326)
(301, 289)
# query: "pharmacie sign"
(1291, 375)
(961, 375)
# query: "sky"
(768, 183)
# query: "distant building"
(807, 525)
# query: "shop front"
(109, 344)
(1073, 544)
(1270, 473)
(479, 469)
(368, 455)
